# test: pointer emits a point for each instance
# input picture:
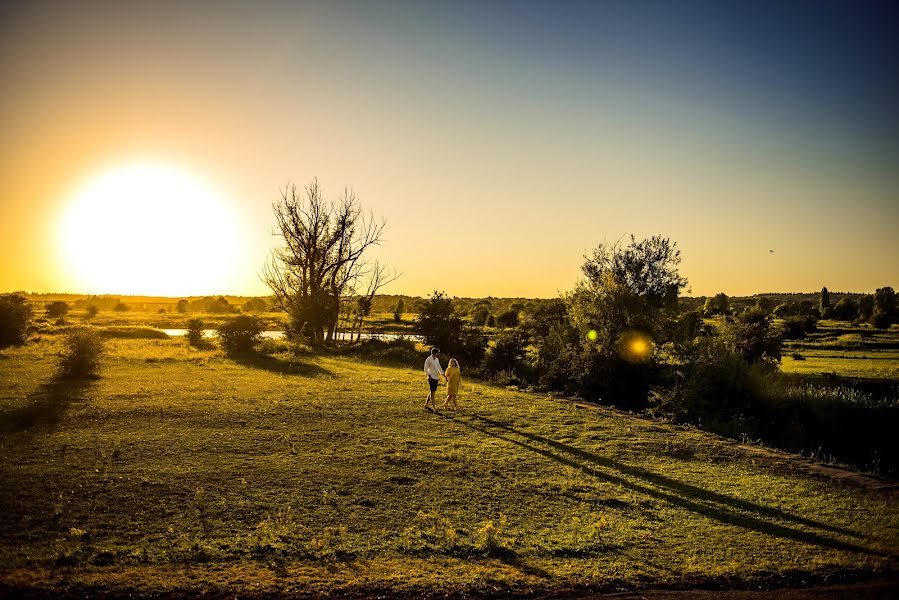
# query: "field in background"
(181, 469)
(845, 350)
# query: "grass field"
(183, 470)
(856, 352)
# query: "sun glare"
(148, 229)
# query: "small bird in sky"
(770, 250)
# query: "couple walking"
(453, 376)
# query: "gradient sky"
(501, 141)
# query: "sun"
(148, 230)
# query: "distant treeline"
(387, 303)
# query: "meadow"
(844, 350)
(185, 471)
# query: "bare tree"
(377, 277)
(322, 256)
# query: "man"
(434, 372)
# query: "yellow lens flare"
(635, 346)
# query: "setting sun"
(148, 229)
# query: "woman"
(453, 376)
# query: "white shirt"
(432, 367)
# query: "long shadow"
(281, 367)
(45, 411)
(684, 496)
(684, 489)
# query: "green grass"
(856, 352)
(181, 469)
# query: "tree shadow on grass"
(725, 509)
(281, 367)
(47, 407)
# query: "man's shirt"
(432, 367)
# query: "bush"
(15, 318)
(120, 307)
(400, 351)
(240, 334)
(195, 333)
(91, 311)
(752, 337)
(713, 382)
(58, 309)
(82, 353)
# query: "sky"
(500, 141)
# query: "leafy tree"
(542, 316)
(398, 310)
(798, 326)
(764, 303)
(784, 310)
(824, 302)
(479, 314)
(255, 305)
(438, 325)
(508, 318)
(491, 321)
(219, 305)
(91, 311)
(866, 307)
(886, 309)
(58, 309)
(322, 258)
(120, 307)
(15, 319)
(508, 351)
(717, 305)
(181, 306)
(626, 289)
(846, 309)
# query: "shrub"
(240, 334)
(91, 311)
(400, 351)
(82, 353)
(58, 309)
(15, 318)
(753, 338)
(181, 306)
(120, 307)
(195, 332)
(713, 382)
(398, 311)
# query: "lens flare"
(635, 346)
